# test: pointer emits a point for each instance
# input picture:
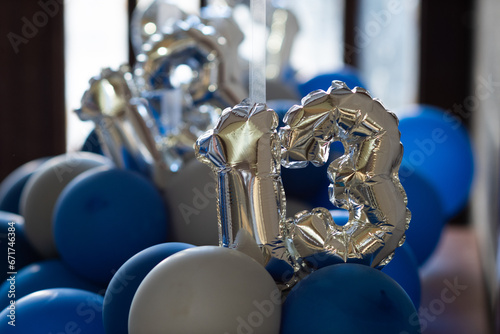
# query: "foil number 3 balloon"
(245, 150)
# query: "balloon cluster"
(126, 239)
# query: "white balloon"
(42, 190)
(191, 197)
(206, 290)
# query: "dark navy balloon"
(12, 236)
(61, 310)
(124, 284)
(12, 186)
(310, 184)
(438, 146)
(44, 275)
(346, 299)
(427, 215)
(404, 269)
(103, 217)
(92, 143)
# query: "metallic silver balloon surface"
(184, 76)
(244, 151)
(364, 180)
(151, 18)
(123, 124)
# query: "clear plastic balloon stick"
(257, 84)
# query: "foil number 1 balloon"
(245, 150)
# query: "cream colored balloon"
(191, 197)
(206, 290)
(42, 190)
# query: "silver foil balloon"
(364, 180)
(184, 76)
(245, 152)
(220, 16)
(152, 17)
(125, 128)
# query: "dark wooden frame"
(32, 109)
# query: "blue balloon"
(309, 184)
(12, 236)
(279, 270)
(427, 216)
(92, 143)
(438, 146)
(404, 269)
(323, 81)
(341, 217)
(124, 284)
(103, 217)
(346, 299)
(42, 275)
(281, 107)
(60, 310)
(12, 186)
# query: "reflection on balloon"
(61, 310)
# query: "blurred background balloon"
(192, 203)
(427, 216)
(12, 186)
(42, 190)
(438, 147)
(347, 74)
(92, 143)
